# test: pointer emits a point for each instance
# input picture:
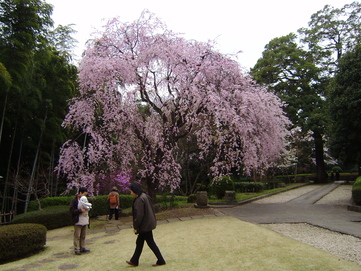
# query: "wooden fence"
(6, 218)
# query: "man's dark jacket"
(74, 210)
(143, 214)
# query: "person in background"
(81, 221)
(114, 203)
(144, 222)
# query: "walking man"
(144, 223)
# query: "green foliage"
(169, 200)
(344, 109)
(192, 198)
(244, 187)
(42, 81)
(101, 204)
(19, 240)
(296, 79)
(51, 217)
(336, 168)
(220, 185)
(50, 201)
(56, 214)
(356, 191)
(5, 78)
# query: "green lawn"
(212, 243)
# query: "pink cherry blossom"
(143, 88)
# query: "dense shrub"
(20, 240)
(49, 201)
(192, 198)
(51, 217)
(221, 184)
(244, 187)
(101, 205)
(56, 214)
(356, 191)
(170, 200)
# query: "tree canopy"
(39, 80)
(145, 89)
(344, 102)
(301, 75)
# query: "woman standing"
(144, 223)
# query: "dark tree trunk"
(321, 174)
(151, 186)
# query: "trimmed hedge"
(54, 216)
(356, 191)
(50, 201)
(220, 185)
(244, 187)
(51, 217)
(17, 241)
(100, 203)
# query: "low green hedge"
(244, 187)
(52, 217)
(356, 191)
(50, 201)
(220, 185)
(19, 240)
(100, 203)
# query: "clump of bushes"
(248, 187)
(222, 184)
(356, 191)
(170, 200)
(19, 240)
(55, 210)
(51, 217)
(49, 201)
(192, 198)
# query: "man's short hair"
(83, 189)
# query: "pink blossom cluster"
(143, 88)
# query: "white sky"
(236, 25)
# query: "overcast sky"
(236, 25)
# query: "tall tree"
(42, 80)
(5, 83)
(290, 72)
(143, 88)
(22, 24)
(332, 32)
(344, 103)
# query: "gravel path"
(287, 196)
(343, 246)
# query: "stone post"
(230, 196)
(202, 199)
